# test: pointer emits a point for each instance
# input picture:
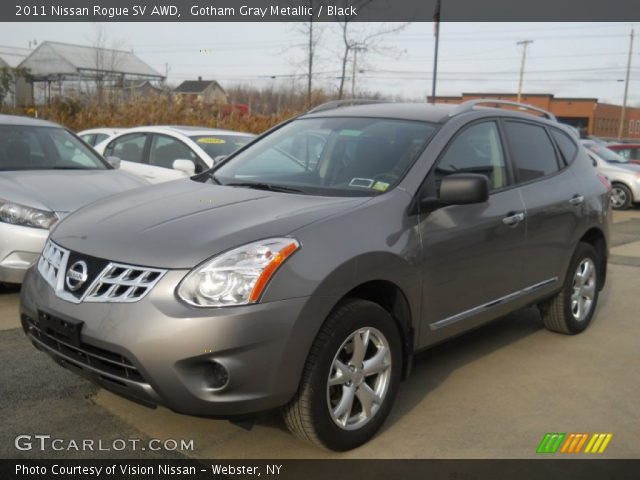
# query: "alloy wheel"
(584, 289)
(359, 378)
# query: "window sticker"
(211, 140)
(380, 186)
(350, 133)
(361, 182)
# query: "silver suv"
(306, 270)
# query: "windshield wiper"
(68, 168)
(264, 186)
(206, 174)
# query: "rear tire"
(350, 378)
(571, 310)
(621, 196)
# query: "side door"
(471, 254)
(164, 150)
(132, 150)
(553, 198)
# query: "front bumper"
(19, 249)
(157, 350)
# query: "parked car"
(95, 136)
(45, 173)
(624, 176)
(160, 154)
(307, 281)
(629, 151)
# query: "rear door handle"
(576, 200)
(513, 218)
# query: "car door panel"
(471, 254)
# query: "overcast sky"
(570, 59)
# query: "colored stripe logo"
(574, 443)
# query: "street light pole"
(524, 60)
(626, 88)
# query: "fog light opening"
(216, 376)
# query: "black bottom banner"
(542, 469)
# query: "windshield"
(331, 156)
(605, 154)
(216, 145)
(44, 148)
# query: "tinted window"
(566, 146)
(165, 150)
(129, 147)
(476, 150)
(44, 148)
(531, 150)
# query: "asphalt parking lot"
(492, 393)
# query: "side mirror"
(113, 161)
(464, 188)
(186, 166)
(219, 159)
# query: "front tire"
(350, 378)
(621, 196)
(571, 310)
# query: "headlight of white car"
(238, 276)
(17, 214)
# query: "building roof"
(196, 86)
(12, 56)
(67, 60)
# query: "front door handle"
(577, 200)
(513, 218)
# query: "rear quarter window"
(566, 146)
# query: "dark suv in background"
(305, 271)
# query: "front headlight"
(236, 277)
(17, 214)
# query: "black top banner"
(318, 10)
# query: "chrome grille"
(123, 283)
(117, 282)
(52, 262)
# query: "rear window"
(531, 150)
(567, 147)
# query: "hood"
(64, 190)
(182, 223)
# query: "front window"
(44, 148)
(331, 156)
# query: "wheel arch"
(391, 298)
(597, 239)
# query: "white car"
(94, 136)
(623, 175)
(164, 153)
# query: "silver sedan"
(46, 172)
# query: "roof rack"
(348, 102)
(471, 104)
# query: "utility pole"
(356, 48)
(626, 87)
(524, 60)
(436, 33)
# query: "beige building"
(205, 91)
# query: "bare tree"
(107, 59)
(361, 37)
(312, 32)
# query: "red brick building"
(587, 114)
